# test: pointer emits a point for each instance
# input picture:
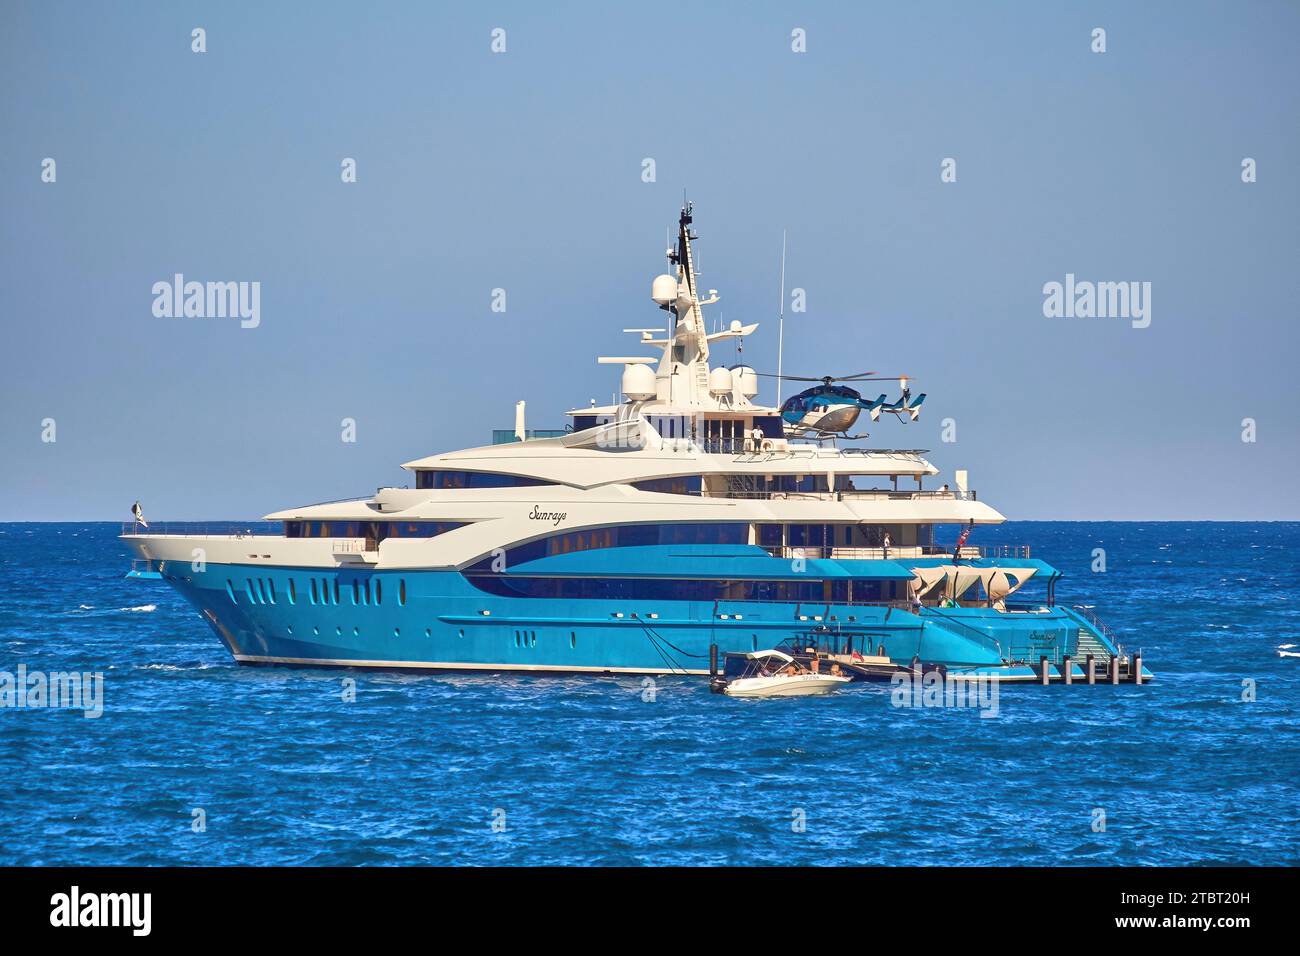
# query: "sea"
(195, 760)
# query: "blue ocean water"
(588, 771)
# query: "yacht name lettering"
(554, 517)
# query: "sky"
(523, 170)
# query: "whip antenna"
(780, 327)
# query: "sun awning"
(760, 655)
(955, 580)
(1007, 581)
(928, 580)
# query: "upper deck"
(635, 450)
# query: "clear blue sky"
(523, 171)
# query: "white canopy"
(758, 655)
(957, 580)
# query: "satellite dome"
(664, 290)
(639, 383)
(747, 379)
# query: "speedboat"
(774, 673)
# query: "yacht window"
(431, 479)
(618, 537)
(864, 590)
(683, 485)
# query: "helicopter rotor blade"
(821, 378)
(789, 378)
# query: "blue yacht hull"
(439, 620)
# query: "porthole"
(316, 631)
(365, 599)
(230, 589)
(336, 591)
(356, 593)
(356, 632)
(338, 631)
(401, 592)
(573, 639)
(290, 629)
(270, 586)
(428, 632)
(314, 594)
(248, 586)
(397, 632)
(293, 592)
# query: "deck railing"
(355, 545)
(1086, 612)
(846, 494)
(217, 529)
(894, 552)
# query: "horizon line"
(164, 521)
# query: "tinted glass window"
(472, 479)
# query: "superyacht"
(649, 536)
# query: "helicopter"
(830, 409)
